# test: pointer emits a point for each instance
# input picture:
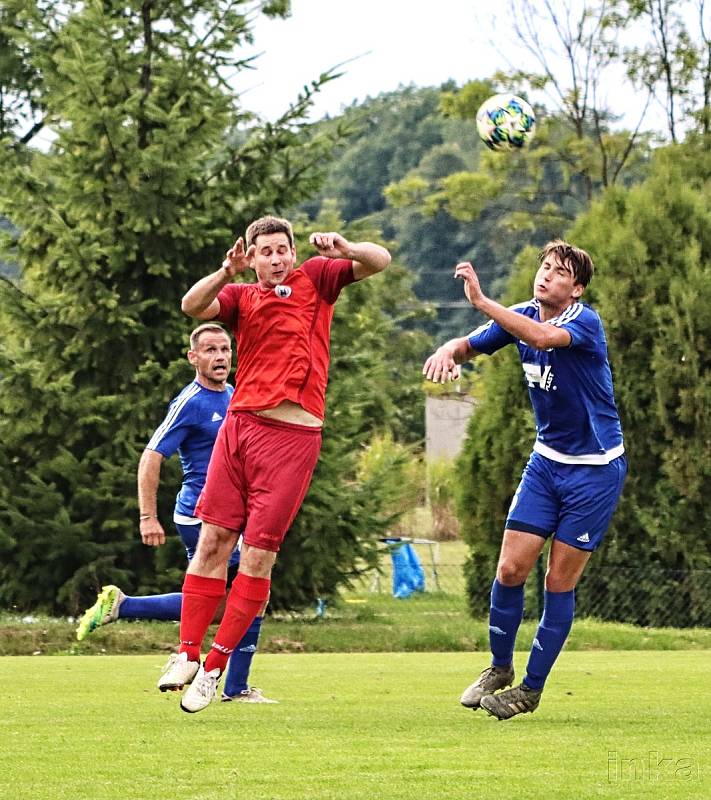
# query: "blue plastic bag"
(408, 575)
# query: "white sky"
(393, 43)
(389, 43)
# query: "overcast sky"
(388, 43)
(392, 42)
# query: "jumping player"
(573, 479)
(190, 429)
(269, 444)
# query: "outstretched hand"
(441, 367)
(236, 259)
(472, 289)
(331, 245)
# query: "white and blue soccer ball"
(505, 122)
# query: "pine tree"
(653, 289)
(154, 172)
(652, 250)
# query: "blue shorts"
(190, 535)
(575, 502)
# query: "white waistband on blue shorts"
(183, 519)
(587, 458)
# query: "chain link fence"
(646, 596)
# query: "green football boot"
(104, 611)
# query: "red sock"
(245, 600)
(201, 597)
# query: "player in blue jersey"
(573, 479)
(189, 428)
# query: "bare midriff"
(287, 411)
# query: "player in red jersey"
(268, 446)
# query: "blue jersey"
(190, 427)
(570, 387)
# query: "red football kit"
(261, 468)
(282, 335)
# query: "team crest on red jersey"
(282, 291)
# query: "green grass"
(383, 726)
(365, 622)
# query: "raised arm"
(443, 365)
(368, 258)
(152, 532)
(541, 335)
(200, 301)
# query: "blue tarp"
(408, 575)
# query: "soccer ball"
(505, 122)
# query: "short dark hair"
(198, 332)
(269, 225)
(578, 260)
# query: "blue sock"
(237, 679)
(157, 606)
(505, 616)
(553, 630)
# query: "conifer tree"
(652, 251)
(653, 289)
(155, 170)
(374, 386)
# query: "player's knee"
(256, 562)
(215, 543)
(510, 572)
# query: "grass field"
(611, 725)
(361, 623)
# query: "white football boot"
(177, 673)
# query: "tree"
(374, 389)
(154, 168)
(675, 64)
(400, 134)
(652, 251)
(20, 115)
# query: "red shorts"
(258, 476)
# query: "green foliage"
(373, 390)
(441, 487)
(464, 102)
(652, 251)
(19, 78)
(672, 60)
(154, 169)
(396, 470)
(401, 143)
(416, 168)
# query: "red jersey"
(283, 335)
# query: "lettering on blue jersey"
(538, 375)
